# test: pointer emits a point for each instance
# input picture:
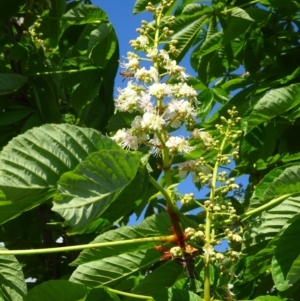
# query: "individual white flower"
(152, 121)
(147, 75)
(145, 103)
(159, 90)
(164, 55)
(178, 110)
(133, 63)
(128, 98)
(204, 136)
(151, 52)
(156, 145)
(137, 122)
(143, 40)
(185, 167)
(174, 69)
(178, 144)
(126, 140)
(182, 90)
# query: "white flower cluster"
(176, 103)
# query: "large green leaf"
(11, 82)
(102, 44)
(274, 103)
(12, 282)
(259, 197)
(109, 265)
(86, 192)
(160, 278)
(286, 259)
(57, 290)
(85, 14)
(32, 163)
(265, 227)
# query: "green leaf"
(237, 12)
(288, 182)
(206, 99)
(87, 191)
(101, 293)
(236, 27)
(11, 82)
(160, 278)
(187, 36)
(102, 44)
(260, 263)
(110, 265)
(173, 294)
(14, 114)
(211, 44)
(85, 14)
(258, 199)
(264, 228)
(57, 290)
(32, 163)
(269, 298)
(12, 282)
(272, 104)
(286, 259)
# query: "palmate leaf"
(86, 192)
(12, 282)
(265, 227)
(110, 265)
(286, 259)
(272, 104)
(32, 163)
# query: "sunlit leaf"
(32, 163)
(274, 103)
(12, 282)
(85, 193)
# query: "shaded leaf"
(57, 290)
(286, 260)
(11, 82)
(173, 294)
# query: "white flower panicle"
(159, 106)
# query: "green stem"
(208, 220)
(88, 246)
(129, 294)
(61, 72)
(265, 206)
